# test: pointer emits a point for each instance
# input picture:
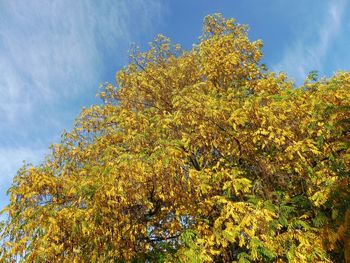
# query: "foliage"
(195, 156)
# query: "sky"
(55, 54)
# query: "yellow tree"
(195, 156)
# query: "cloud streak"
(53, 56)
(310, 50)
(51, 50)
(12, 158)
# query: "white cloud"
(53, 53)
(51, 50)
(308, 53)
(11, 159)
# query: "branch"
(157, 239)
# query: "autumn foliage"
(195, 156)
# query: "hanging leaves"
(195, 156)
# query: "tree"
(195, 156)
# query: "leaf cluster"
(194, 156)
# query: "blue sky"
(55, 54)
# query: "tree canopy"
(194, 156)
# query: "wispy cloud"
(51, 50)
(313, 45)
(54, 54)
(12, 158)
